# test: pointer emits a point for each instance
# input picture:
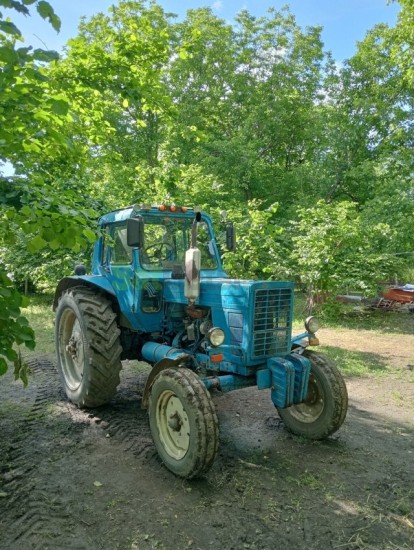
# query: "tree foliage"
(311, 160)
(332, 250)
(33, 114)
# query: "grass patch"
(378, 321)
(41, 319)
(137, 366)
(336, 315)
(307, 479)
(357, 363)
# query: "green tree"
(115, 67)
(332, 251)
(366, 155)
(32, 115)
(246, 98)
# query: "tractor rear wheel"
(88, 347)
(183, 422)
(326, 404)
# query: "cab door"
(140, 297)
(118, 267)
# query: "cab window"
(121, 253)
(168, 238)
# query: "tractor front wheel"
(183, 422)
(324, 409)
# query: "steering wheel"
(158, 253)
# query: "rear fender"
(90, 281)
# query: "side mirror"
(230, 237)
(192, 274)
(135, 232)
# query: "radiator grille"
(272, 320)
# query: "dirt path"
(391, 393)
(92, 479)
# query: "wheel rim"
(173, 425)
(312, 408)
(71, 349)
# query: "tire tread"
(104, 349)
(206, 419)
(326, 424)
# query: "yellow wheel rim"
(173, 425)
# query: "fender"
(91, 281)
(166, 363)
(304, 340)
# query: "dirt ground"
(92, 480)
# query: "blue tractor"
(158, 293)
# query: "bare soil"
(79, 479)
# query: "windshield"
(167, 239)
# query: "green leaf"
(3, 366)
(21, 8)
(48, 234)
(23, 321)
(25, 302)
(26, 210)
(25, 335)
(32, 146)
(90, 235)
(10, 354)
(24, 375)
(45, 55)
(46, 11)
(6, 292)
(54, 245)
(56, 22)
(10, 28)
(36, 244)
(60, 107)
(8, 55)
(21, 370)
(30, 344)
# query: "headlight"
(312, 324)
(215, 336)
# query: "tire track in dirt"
(124, 421)
(28, 514)
(34, 516)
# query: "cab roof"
(127, 212)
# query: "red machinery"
(395, 297)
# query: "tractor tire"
(326, 404)
(183, 422)
(88, 347)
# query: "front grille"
(272, 322)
